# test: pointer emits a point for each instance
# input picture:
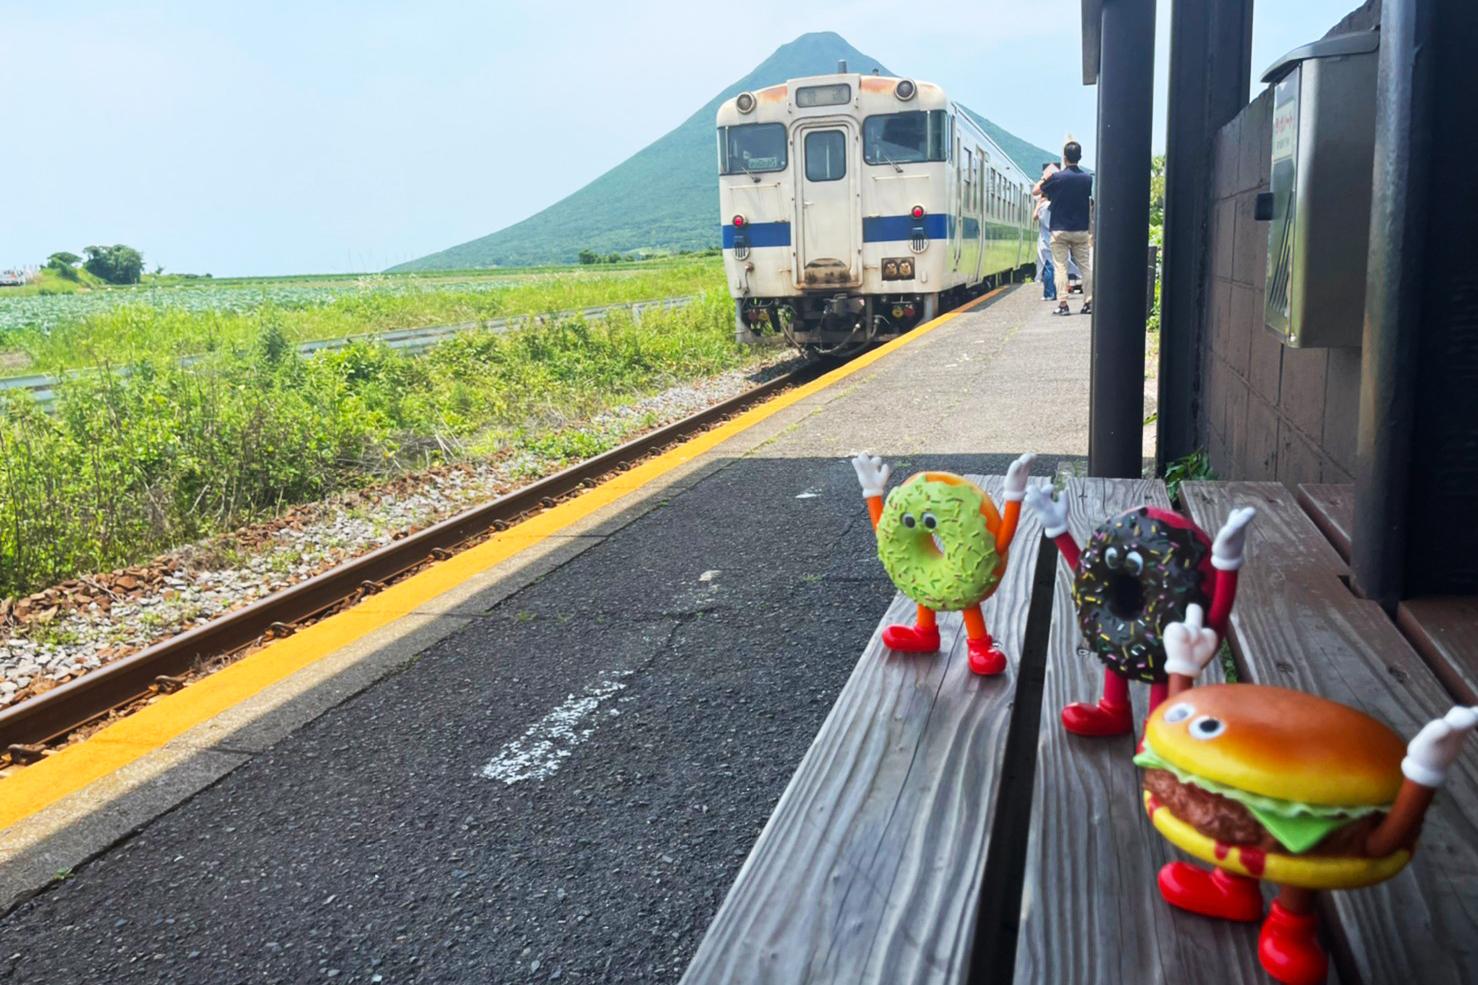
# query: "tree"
(1157, 199)
(61, 259)
(117, 264)
(588, 255)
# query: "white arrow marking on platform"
(542, 749)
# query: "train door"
(982, 233)
(829, 246)
(962, 194)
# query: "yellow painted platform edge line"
(42, 784)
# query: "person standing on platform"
(1043, 215)
(1069, 192)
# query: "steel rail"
(77, 703)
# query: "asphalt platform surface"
(648, 700)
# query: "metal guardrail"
(413, 341)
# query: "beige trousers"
(1078, 246)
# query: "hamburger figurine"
(943, 543)
(1264, 783)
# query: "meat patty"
(1229, 822)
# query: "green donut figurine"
(943, 544)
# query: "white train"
(857, 206)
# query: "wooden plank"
(1296, 624)
(1445, 632)
(1332, 508)
(1090, 910)
(869, 869)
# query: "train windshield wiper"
(752, 176)
(889, 160)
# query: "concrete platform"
(554, 771)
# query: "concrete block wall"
(1267, 411)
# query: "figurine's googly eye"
(1112, 557)
(1179, 713)
(929, 522)
(908, 520)
(1133, 563)
(1207, 727)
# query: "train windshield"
(751, 147)
(904, 138)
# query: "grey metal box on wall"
(1322, 147)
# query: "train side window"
(826, 155)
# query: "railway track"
(30, 726)
(409, 340)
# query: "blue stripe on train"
(875, 229)
(891, 228)
(760, 234)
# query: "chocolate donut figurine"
(1266, 783)
(943, 543)
(1138, 573)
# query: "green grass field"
(174, 316)
(131, 466)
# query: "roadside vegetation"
(179, 316)
(131, 466)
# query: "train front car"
(857, 206)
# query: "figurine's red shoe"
(1289, 947)
(986, 658)
(1212, 894)
(1101, 719)
(911, 639)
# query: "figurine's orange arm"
(1007, 531)
(875, 509)
(1399, 828)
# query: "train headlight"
(905, 89)
(898, 268)
(744, 102)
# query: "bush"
(117, 264)
(132, 465)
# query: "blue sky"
(273, 137)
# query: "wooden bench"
(945, 828)
(1444, 630)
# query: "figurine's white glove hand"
(872, 474)
(1189, 647)
(1016, 476)
(1436, 746)
(1231, 540)
(1052, 512)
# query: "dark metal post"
(1416, 487)
(1122, 187)
(1210, 67)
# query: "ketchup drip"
(1254, 860)
(1152, 805)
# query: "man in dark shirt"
(1070, 190)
